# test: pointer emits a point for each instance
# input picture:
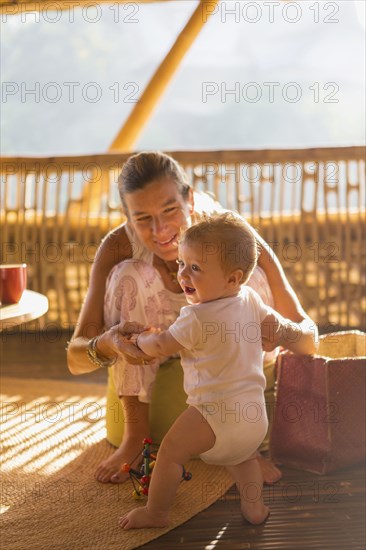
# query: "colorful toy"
(141, 478)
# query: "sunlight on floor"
(43, 435)
(213, 543)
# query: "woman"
(134, 279)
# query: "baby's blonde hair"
(229, 235)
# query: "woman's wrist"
(105, 345)
(96, 356)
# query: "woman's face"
(157, 213)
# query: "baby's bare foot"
(270, 473)
(110, 469)
(254, 512)
(141, 517)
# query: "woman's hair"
(230, 236)
(141, 169)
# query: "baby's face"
(201, 274)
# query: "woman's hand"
(119, 340)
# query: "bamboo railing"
(308, 204)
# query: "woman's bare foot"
(254, 512)
(141, 517)
(270, 473)
(129, 451)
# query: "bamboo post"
(138, 118)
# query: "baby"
(219, 338)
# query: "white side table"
(31, 306)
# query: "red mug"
(13, 281)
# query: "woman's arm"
(285, 300)
(158, 344)
(113, 249)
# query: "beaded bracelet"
(91, 350)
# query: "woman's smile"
(167, 242)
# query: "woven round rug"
(53, 438)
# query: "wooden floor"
(307, 511)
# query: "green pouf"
(167, 403)
(269, 396)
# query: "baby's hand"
(121, 338)
(153, 330)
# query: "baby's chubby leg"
(249, 481)
(189, 436)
